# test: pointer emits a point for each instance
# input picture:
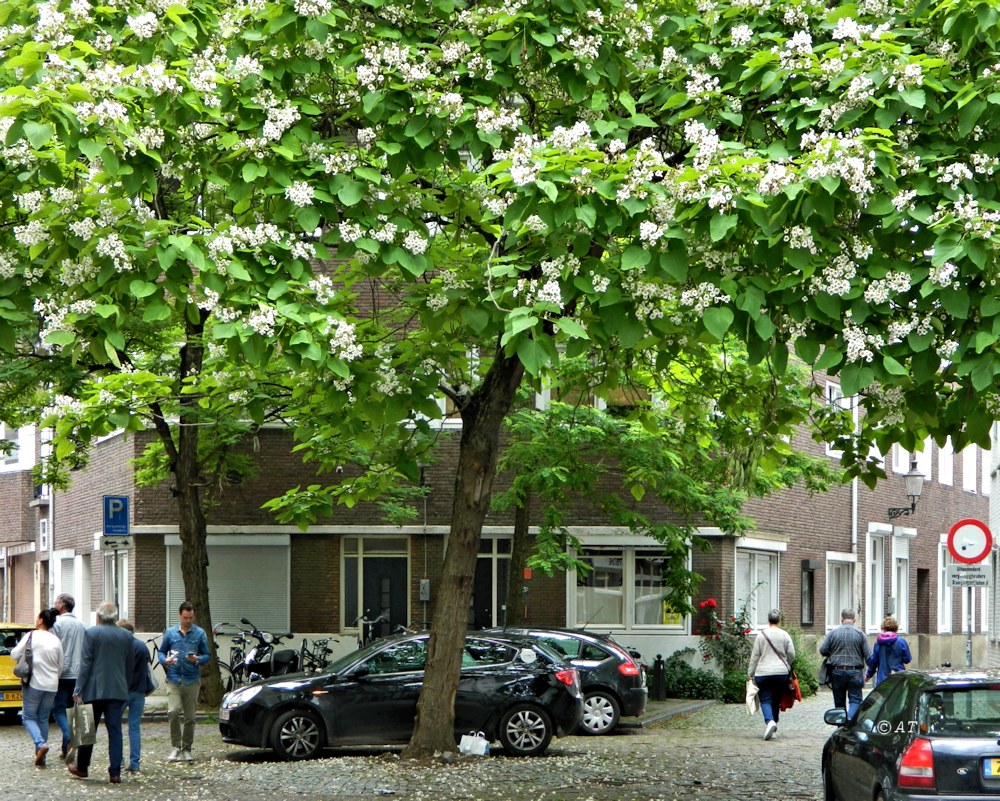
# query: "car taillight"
(628, 668)
(916, 765)
(568, 677)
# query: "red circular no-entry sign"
(970, 541)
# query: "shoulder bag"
(794, 692)
(24, 664)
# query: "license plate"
(223, 714)
(991, 768)
(12, 696)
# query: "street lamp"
(914, 483)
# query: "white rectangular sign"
(116, 543)
(977, 575)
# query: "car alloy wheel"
(297, 734)
(600, 713)
(525, 730)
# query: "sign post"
(969, 543)
(116, 534)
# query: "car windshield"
(960, 711)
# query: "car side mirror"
(835, 717)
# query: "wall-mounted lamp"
(914, 483)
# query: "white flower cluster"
(111, 246)
(243, 66)
(943, 275)
(8, 264)
(106, 113)
(946, 349)
(415, 243)
(343, 341)
(842, 155)
(702, 86)
(702, 296)
(705, 140)
(74, 273)
(801, 238)
(571, 138)
(313, 8)
(774, 181)
(797, 53)
(645, 167)
(889, 400)
(859, 344)
(29, 202)
(586, 48)
(860, 92)
(303, 250)
(450, 105)
(51, 26)
(280, 117)
(454, 51)
(490, 120)
(523, 168)
(144, 26)
(299, 194)
(903, 201)
(881, 289)
(906, 76)
(550, 292)
(389, 57)
(983, 164)
(147, 138)
(650, 232)
(261, 321)
(741, 35)
(954, 174)
(847, 28)
(32, 233)
(835, 278)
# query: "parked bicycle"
(368, 629)
(233, 673)
(313, 659)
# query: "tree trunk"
(482, 418)
(520, 549)
(192, 526)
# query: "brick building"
(809, 555)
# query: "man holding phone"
(183, 650)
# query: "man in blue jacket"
(183, 650)
(105, 673)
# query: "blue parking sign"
(115, 515)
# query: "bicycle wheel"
(226, 675)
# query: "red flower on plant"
(708, 604)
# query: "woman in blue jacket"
(891, 652)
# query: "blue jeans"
(136, 704)
(849, 683)
(111, 711)
(64, 701)
(770, 689)
(35, 708)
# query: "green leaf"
(807, 349)
(532, 355)
(913, 97)
(155, 312)
(587, 215)
(893, 367)
(37, 133)
(141, 289)
(721, 225)
(635, 258)
(351, 193)
(572, 328)
(831, 358)
(717, 321)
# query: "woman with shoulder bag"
(770, 665)
(39, 692)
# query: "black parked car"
(918, 735)
(613, 682)
(514, 690)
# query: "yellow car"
(10, 685)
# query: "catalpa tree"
(447, 197)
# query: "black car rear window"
(484, 652)
(960, 711)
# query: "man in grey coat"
(70, 631)
(105, 674)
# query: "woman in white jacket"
(770, 665)
(37, 696)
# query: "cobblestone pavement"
(714, 754)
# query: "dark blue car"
(918, 736)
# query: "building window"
(376, 582)
(944, 588)
(839, 589)
(808, 604)
(624, 587)
(900, 459)
(116, 580)
(489, 595)
(901, 581)
(756, 584)
(835, 398)
(924, 459)
(969, 460)
(875, 601)
(946, 464)
(985, 472)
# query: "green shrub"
(684, 681)
(734, 687)
(806, 664)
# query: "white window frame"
(900, 578)
(627, 551)
(970, 462)
(900, 459)
(835, 601)
(875, 556)
(757, 549)
(23, 455)
(924, 459)
(985, 467)
(946, 464)
(945, 612)
(122, 598)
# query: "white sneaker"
(769, 729)
(175, 755)
(186, 756)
